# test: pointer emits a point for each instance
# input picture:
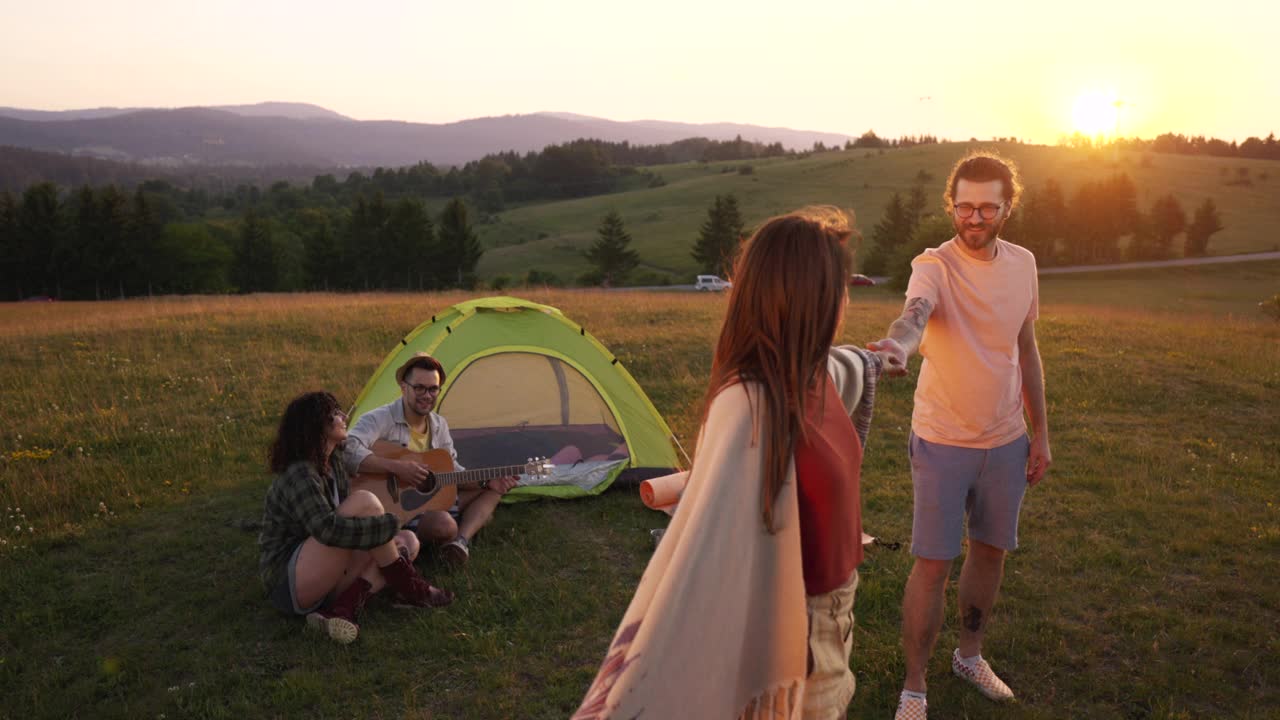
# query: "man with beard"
(409, 421)
(971, 309)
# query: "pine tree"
(254, 269)
(459, 248)
(321, 258)
(891, 233)
(610, 255)
(73, 261)
(10, 250)
(1121, 213)
(718, 241)
(377, 260)
(412, 243)
(917, 201)
(110, 252)
(145, 228)
(1167, 220)
(39, 228)
(1206, 223)
(357, 241)
(1052, 217)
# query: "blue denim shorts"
(953, 482)
(282, 595)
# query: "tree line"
(21, 168)
(1099, 222)
(1178, 144)
(103, 242)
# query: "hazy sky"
(957, 70)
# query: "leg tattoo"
(973, 619)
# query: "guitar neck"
(463, 477)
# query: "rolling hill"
(664, 221)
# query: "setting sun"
(1095, 113)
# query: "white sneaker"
(911, 707)
(982, 677)
(456, 552)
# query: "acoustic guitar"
(407, 499)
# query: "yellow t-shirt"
(420, 442)
(970, 388)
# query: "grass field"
(664, 221)
(1144, 587)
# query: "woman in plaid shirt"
(325, 549)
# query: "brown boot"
(408, 589)
(338, 619)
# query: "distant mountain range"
(297, 111)
(276, 133)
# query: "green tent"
(523, 381)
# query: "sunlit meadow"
(131, 474)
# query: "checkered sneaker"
(911, 708)
(339, 629)
(981, 676)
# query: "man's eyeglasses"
(424, 389)
(988, 212)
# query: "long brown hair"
(302, 432)
(789, 284)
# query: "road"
(1249, 257)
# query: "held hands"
(892, 355)
(1039, 459)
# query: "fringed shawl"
(717, 627)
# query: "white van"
(711, 282)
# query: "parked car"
(711, 283)
(860, 279)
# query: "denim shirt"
(388, 423)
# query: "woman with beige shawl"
(746, 608)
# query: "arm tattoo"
(908, 329)
(917, 312)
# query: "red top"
(828, 468)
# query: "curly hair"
(302, 432)
(985, 166)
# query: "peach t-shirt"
(970, 388)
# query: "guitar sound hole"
(430, 486)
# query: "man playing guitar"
(409, 421)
